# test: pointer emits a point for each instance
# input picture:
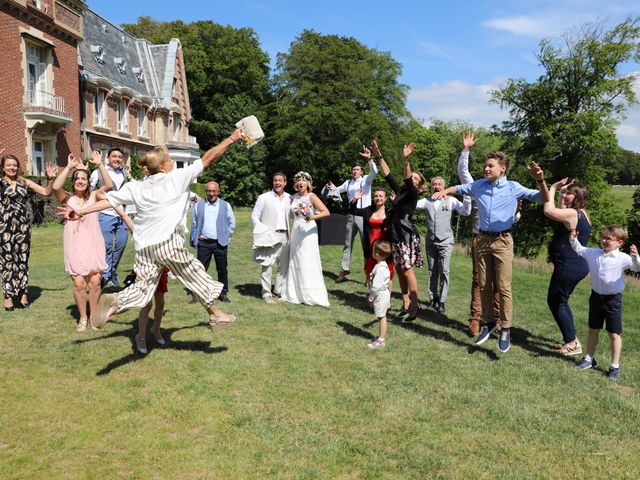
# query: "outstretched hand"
(358, 194)
(68, 213)
(237, 135)
(96, 158)
(365, 153)
(535, 171)
(51, 170)
(560, 184)
(633, 250)
(375, 148)
(573, 233)
(439, 195)
(468, 141)
(408, 149)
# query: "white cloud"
(523, 25)
(459, 100)
(456, 100)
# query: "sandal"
(412, 314)
(570, 348)
(403, 314)
(82, 325)
(221, 320)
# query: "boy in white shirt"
(379, 294)
(606, 269)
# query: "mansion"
(73, 82)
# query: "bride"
(304, 282)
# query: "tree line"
(329, 94)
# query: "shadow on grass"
(353, 300)
(351, 278)
(74, 312)
(250, 290)
(167, 333)
(34, 292)
(354, 331)
(536, 344)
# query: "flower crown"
(302, 175)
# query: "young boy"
(606, 268)
(379, 294)
(497, 200)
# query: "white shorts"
(381, 303)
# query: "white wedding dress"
(304, 282)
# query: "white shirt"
(351, 186)
(118, 177)
(282, 209)
(606, 269)
(380, 278)
(463, 208)
(161, 202)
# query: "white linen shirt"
(118, 177)
(351, 186)
(606, 269)
(282, 208)
(380, 278)
(161, 202)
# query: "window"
(142, 122)
(176, 127)
(99, 110)
(38, 92)
(37, 159)
(123, 116)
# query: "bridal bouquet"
(303, 210)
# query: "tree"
(332, 94)
(228, 77)
(566, 119)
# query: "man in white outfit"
(270, 220)
(354, 222)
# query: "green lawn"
(293, 392)
(623, 196)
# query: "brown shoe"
(343, 274)
(474, 326)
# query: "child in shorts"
(606, 268)
(379, 295)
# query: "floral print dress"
(15, 238)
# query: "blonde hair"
(615, 231)
(304, 176)
(154, 158)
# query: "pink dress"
(84, 251)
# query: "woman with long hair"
(568, 267)
(15, 228)
(303, 282)
(84, 250)
(405, 239)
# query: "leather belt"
(495, 234)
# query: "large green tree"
(566, 119)
(228, 78)
(332, 94)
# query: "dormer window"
(121, 63)
(98, 53)
(137, 71)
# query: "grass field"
(623, 196)
(293, 392)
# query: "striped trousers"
(148, 264)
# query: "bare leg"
(402, 280)
(383, 327)
(412, 287)
(80, 295)
(157, 316)
(93, 280)
(592, 341)
(616, 347)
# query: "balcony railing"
(39, 98)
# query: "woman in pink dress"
(84, 251)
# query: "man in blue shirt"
(212, 226)
(497, 199)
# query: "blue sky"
(453, 52)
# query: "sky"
(453, 53)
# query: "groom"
(270, 220)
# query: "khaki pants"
(475, 307)
(495, 263)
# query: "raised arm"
(406, 152)
(376, 151)
(560, 213)
(96, 159)
(58, 191)
(214, 153)
(468, 141)
(50, 170)
(536, 172)
(443, 193)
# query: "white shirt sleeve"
(463, 168)
(231, 219)
(94, 179)
(124, 196)
(463, 208)
(342, 188)
(257, 211)
(373, 171)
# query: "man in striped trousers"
(161, 202)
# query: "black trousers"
(211, 248)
